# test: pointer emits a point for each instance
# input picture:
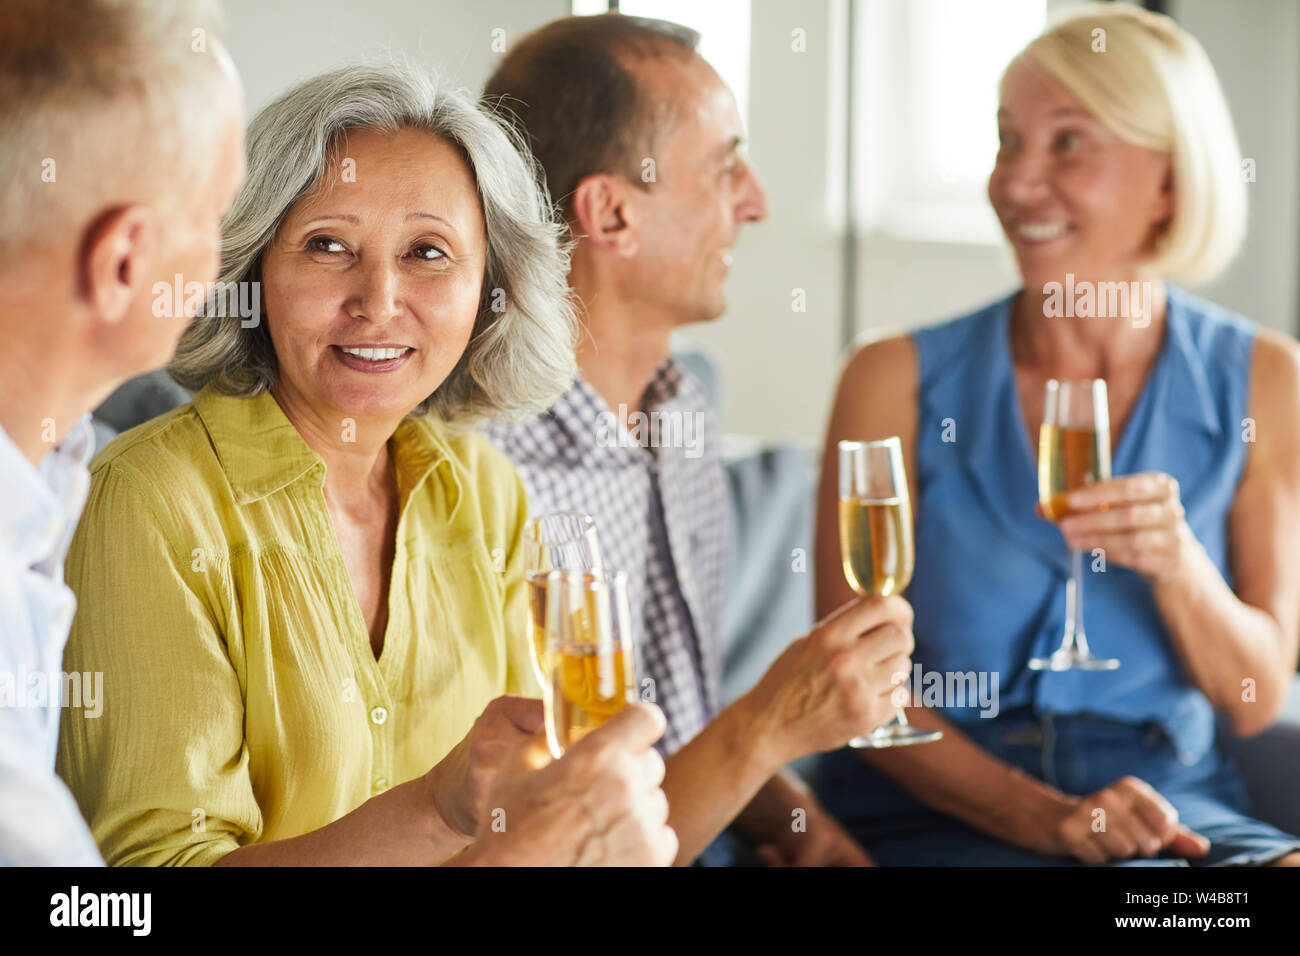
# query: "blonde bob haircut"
(520, 356)
(1151, 83)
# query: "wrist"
(752, 730)
(1188, 554)
(440, 830)
(1030, 814)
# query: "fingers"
(629, 812)
(531, 754)
(884, 654)
(1188, 843)
(1124, 519)
(1151, 553)
(862, 615)
(1137, 821)
(1157, 813)
(1130, 489)
(525, 713)
(635, 728)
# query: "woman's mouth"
(1044, 231)
(372, 358)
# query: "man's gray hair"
(101, 100)
(520, 356)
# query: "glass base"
(895, 735)
(1064, 660)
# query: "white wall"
(779, 366)
(278, 42)
(1253, 45)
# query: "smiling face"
(690, 218)
(1070, 194)
(372, 287)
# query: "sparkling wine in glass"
(1073, 452)
(590, 654)
(876, 547)
(563, 541)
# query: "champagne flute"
(876, 547)
(590, 654)
(1073, 452)
(564, 541)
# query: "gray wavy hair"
(519, 359)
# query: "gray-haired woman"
(324, 587)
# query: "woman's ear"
(1167, 195)
(603, 213)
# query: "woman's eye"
(324, 244)
(1068, 141)
(428, 252)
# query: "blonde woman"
(1113, 167)
(305, 587)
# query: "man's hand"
(835, 683)
(822, 842)
(600, 805)
(460, 782)
(1134, 821)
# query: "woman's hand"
(602, 804)
(461, 780)
(1137, 521)
(1124, 820)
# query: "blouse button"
(380, 784)
(379, 715)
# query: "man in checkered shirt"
(661, 516)
(639, 141)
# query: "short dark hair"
(568, 88)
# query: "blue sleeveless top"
(989, 585)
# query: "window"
(925, 133)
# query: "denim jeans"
(1078, 755)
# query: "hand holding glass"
(1073, 452)
(876, 547)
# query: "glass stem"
(1074, 636)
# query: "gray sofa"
(769, 601)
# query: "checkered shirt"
(661, 516)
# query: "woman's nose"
(1022, 178)
(378, 298)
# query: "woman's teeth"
(1039, 231)
(375, 355)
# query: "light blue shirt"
(40, 824)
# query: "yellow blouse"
(242, 700)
